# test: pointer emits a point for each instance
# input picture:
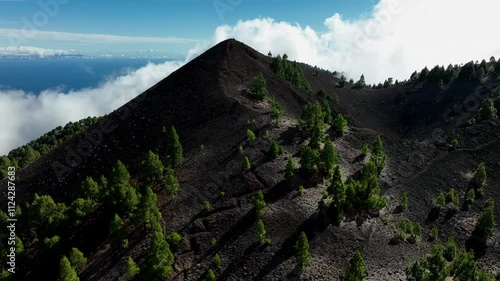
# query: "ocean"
(36, 75)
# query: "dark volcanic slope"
(207, 102)
(204, 100)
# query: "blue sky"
(182, 19)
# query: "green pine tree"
(66, 272)
(259, 202)
(151, 168)
(118, 233)
(174, 148)
(329, 157)
(132, 269)
(77, 259)
(302, 255)
(290, 170)
(356, 270)
(171, 185)
(148, 212)
(159, 258)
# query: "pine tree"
(340, 124)
(90, 189)
(356, 270)
(217, 261)
(404, 201)
(308, 160)
(329, 157)
(123, 195)
(148, 212)
(259, 202)
(211, 275)
(337, 191)
(261, 231)
(274, 150)
(342, 81)
(479, 177)
(485, 226)
(151, 168)
(66, 272)
(327, 112)
(77, 259)
(132, 269)
(159, 258)
(488, 110)
(437, 263)
(290, 170)
(378, 155)
(250, 136)
(302, 255)
(174, 148)
(118, 233)
(258, 88)
(172, 185)
(276, 110)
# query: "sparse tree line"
(438, 76)
(290, 71)
(130, 205)
(27, 154)
(445, 262)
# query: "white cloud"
(19, 51)
(399, 36)
(27, 116)
(22, 36)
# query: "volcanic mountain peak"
(227, 138)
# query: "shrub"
(250, 136)
(261, 231)
(276, 110)
(434, 234)
(441, 200)
(404, 201)
(301, 190)
(245, 163)
(365, 150)
(206, 206)
(455, 143)
(217, 261)
(173, 239)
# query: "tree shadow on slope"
(477, 244)
(311, 227)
